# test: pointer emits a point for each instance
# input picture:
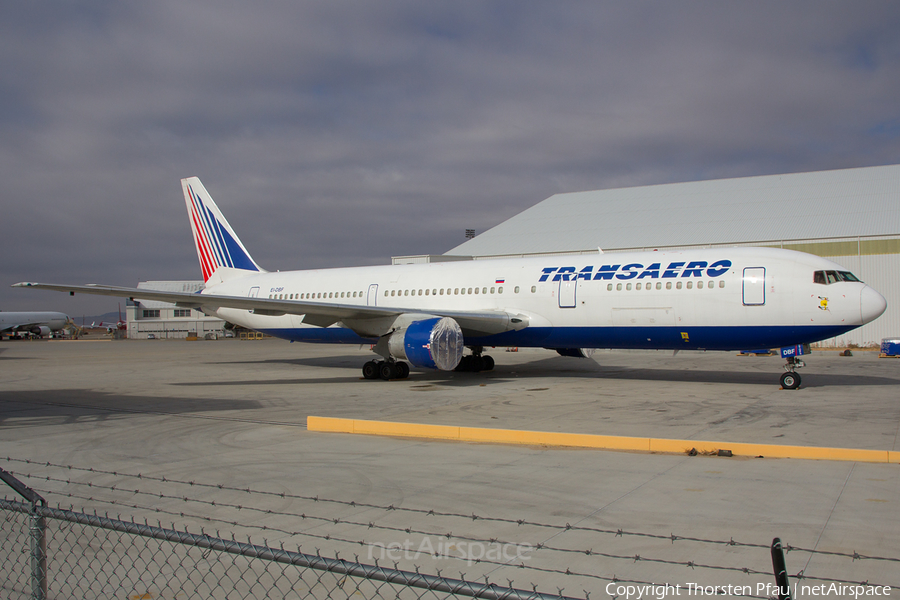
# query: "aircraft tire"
(790, 381)
(387, 371)
(488, 363)
(370, 370)
(402, 370)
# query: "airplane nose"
(871, 304)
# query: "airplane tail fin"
(218, 247)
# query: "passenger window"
(627, 286)
(455, 291)
(484, 290)
(533, 289)
(690, 284)
(608, 287)
(710, 284)
(722, 283)
(462, 291)
(618, 287)
(678, 286)
(637, 286)
(668, 285)
(516, 290)
(493, 290)
(658, 285)
(434, 292)
(649, 287)
(442, 291)
(427, 292)
(470, 290)
(500, 290)
(476, 290)
(699, 285)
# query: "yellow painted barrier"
(585, 440)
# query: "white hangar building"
(850, 216)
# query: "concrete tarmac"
(232, 413)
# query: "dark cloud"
(344, 133)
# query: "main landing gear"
(384, 369)
(790, 380)
(475, 362)
(397, 369)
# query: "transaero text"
(697, 268)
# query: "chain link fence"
(66, 553)
(53, 553)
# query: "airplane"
(119, 325)
(39, 323)
(427, 314)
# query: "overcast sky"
(343, 133)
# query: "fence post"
(781, 578)
(37, 532)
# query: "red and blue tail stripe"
(217, 244)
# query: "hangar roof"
(801, 206)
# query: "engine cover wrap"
(433, 343)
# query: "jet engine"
(40, 330)
(433, 343)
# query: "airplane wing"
(321, 314)
(26, 325)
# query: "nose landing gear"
(790, 379)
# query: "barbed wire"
(329, 537)
(430, 512)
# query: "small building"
(147, 319)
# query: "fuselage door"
(567, 294)
(372, 296)
(754, 286)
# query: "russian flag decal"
(500, 281)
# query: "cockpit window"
(829, 277)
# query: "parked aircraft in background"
(722, 299)
(119, 325)
(34, 323)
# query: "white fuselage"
(730, 298)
